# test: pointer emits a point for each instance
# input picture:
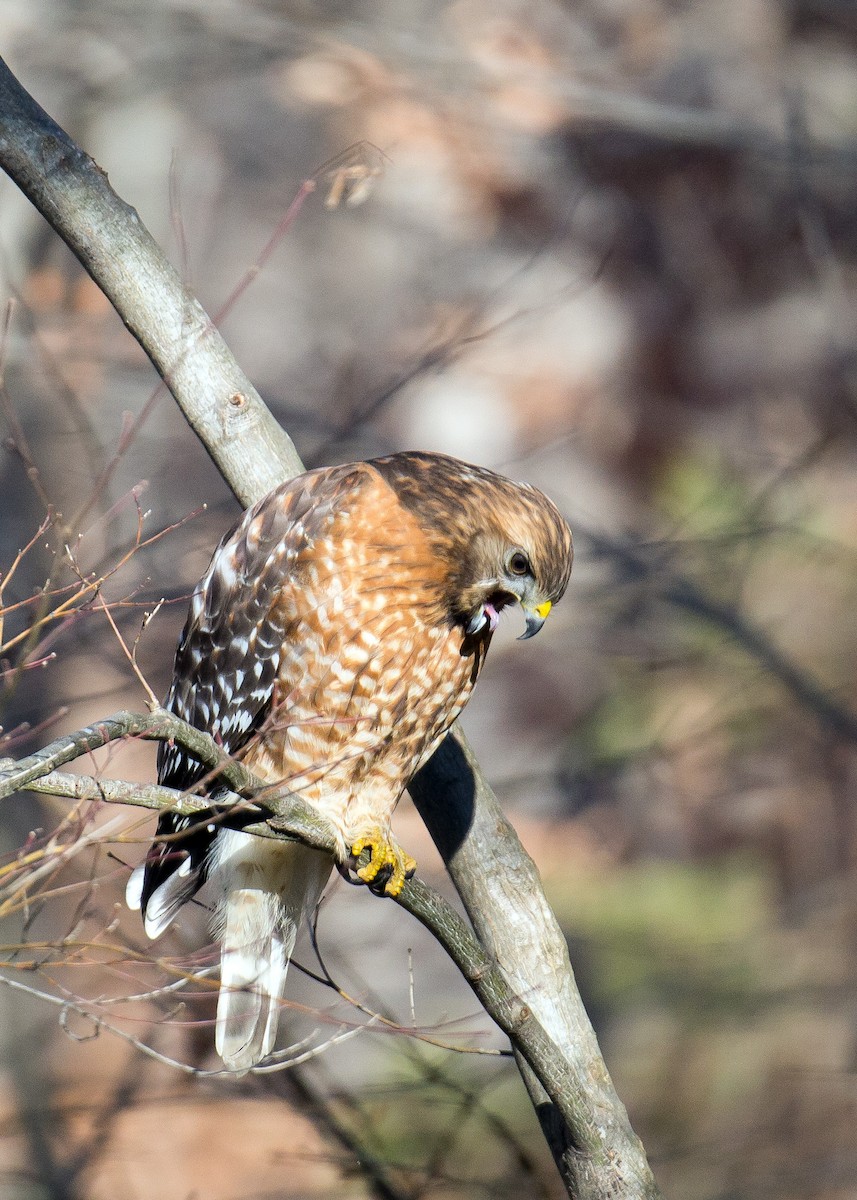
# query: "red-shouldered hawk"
(335, 637)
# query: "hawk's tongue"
(492, 615)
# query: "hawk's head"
(499, 542)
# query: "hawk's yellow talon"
(385, 855)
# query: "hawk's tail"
(268, 888)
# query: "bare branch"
(158, 726)
(99, 1023)
(251, 450)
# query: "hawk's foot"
(388, 865)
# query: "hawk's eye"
(519, 564)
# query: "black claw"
(380, 881)
(348, 871)
(345, 870)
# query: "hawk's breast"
(372, 670)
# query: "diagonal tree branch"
(596, 1150)
(251, 450)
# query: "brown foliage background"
(607, 247)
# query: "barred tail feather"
(259, 926)
(254, 959)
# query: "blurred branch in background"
(635, 562)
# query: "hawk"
(336, 635)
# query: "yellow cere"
(543, 609)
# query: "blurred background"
(608, 247)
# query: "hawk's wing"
(227, 663)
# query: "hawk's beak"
(535, 619)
